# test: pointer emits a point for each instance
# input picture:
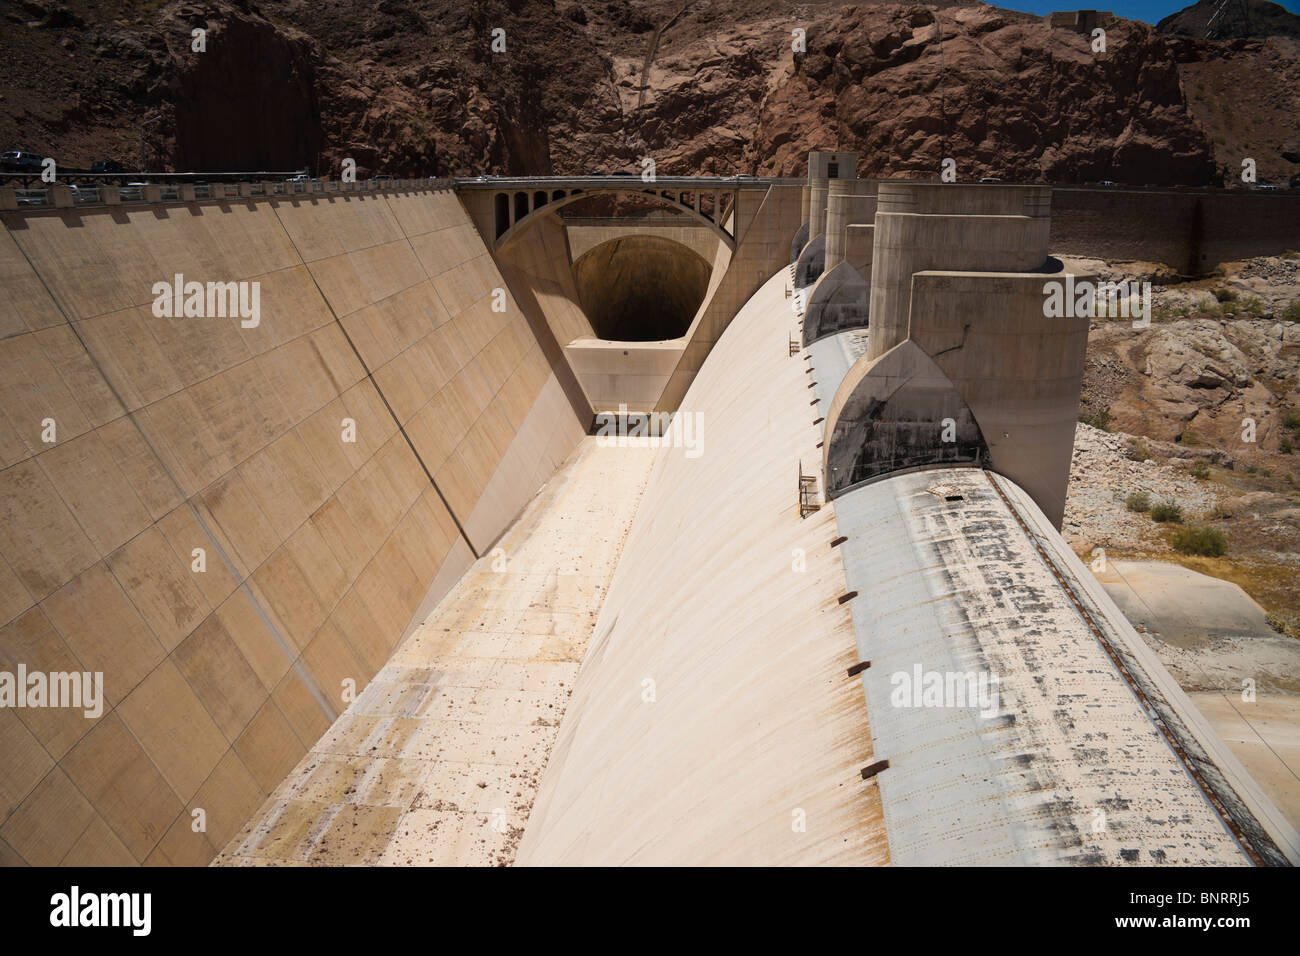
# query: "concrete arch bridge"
(633, 303)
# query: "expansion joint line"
(1156, 718)
(370, 376)
(294, 660)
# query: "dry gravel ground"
(1262, 528)
(1102, 475)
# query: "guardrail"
(59, 196)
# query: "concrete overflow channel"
(459, 521)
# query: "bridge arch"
(528, 208)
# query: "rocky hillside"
(414, 87)
(1201, 409)
(1240, 19)
(1219, 350)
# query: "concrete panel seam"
(261, 612)
(370, 376)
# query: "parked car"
(1107, 182)
(22, 159)
(132, 192)
(107, 166)
(990, 179)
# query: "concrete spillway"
(363, 591)
(763, 718)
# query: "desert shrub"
(1099, 419)
(1137, 451)
(1167, 511)
(1291, 254)
(1138, 501)
(1199, 470)
(1218, 513)
(1291, 419)
(1285, 446)
(1253, 305)
(1292, 312)
(1283, 622)
(1190, 436)
(1198, 539)
(1224, 294)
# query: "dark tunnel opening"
(641, 288)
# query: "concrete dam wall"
(1191, 231)
(362, 590)
(237, 525)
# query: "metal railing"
(809, 501)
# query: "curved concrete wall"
(889, 414)
(538, 266)
(640, 288)
(817, 191)
(750, 749)
(811, 264)
(848, 202)
(763, 222)
(179, 434)
(837, 301)
(1019, 372)
(585, 234)
(958, 574)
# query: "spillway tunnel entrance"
(640, 288)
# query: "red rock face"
(1011, 99)
(413, 87)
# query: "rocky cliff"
(414, 87)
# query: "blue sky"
(1149, 11)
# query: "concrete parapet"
(60, 196)
(8, 197)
